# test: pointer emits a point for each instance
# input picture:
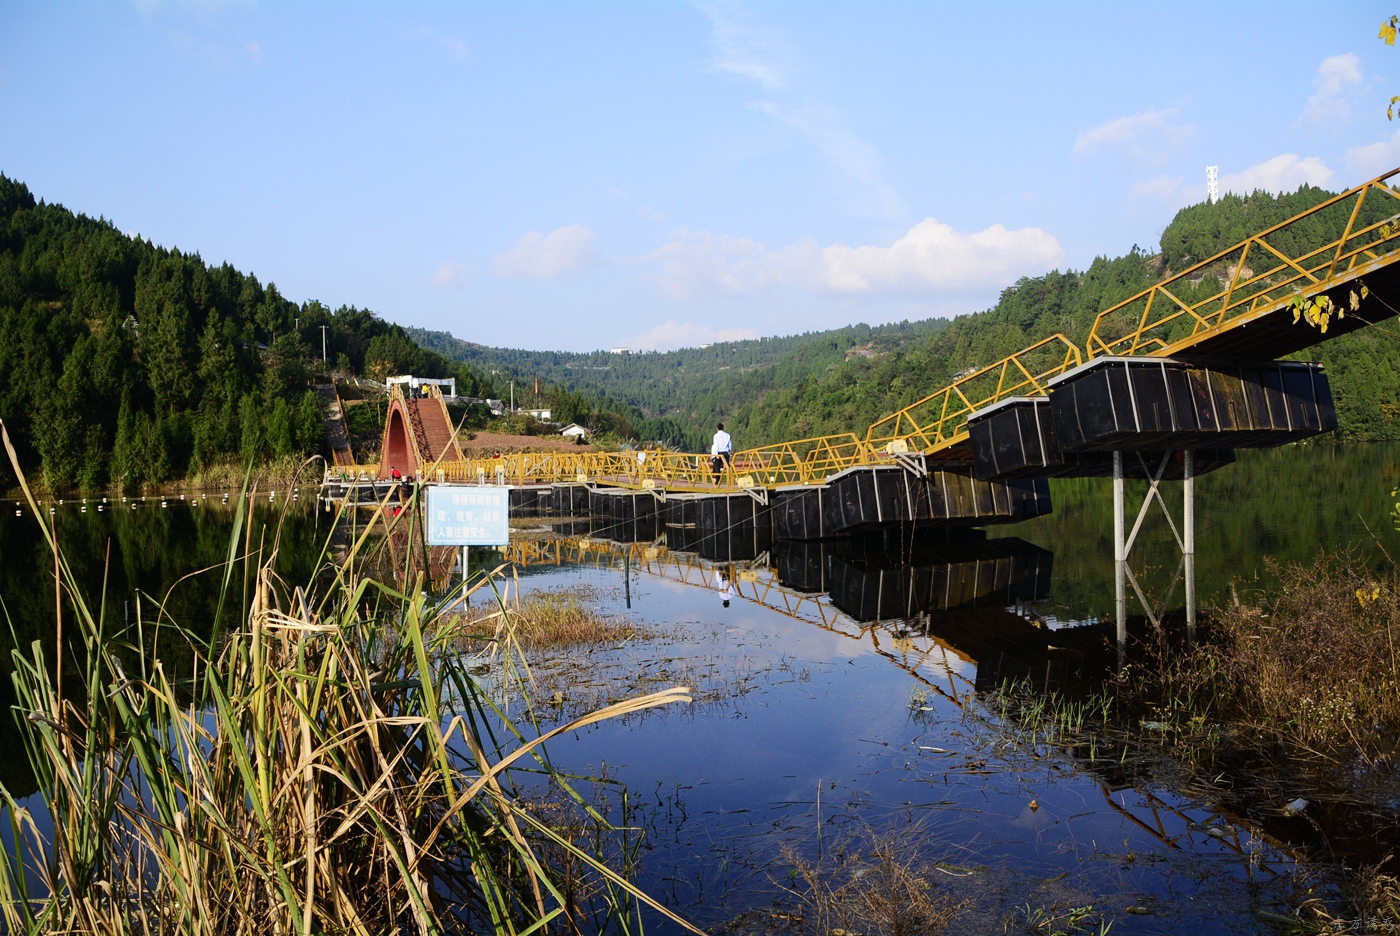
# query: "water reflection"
(145, 556)
(952, 614)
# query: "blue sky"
(581, 175)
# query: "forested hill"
(679, 394)
(842, 380)
(123, 363)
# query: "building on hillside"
(543, 415)
(574, 431)
(619, 350)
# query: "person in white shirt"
(724, 585)
(721, 452)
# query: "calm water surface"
(840, 689)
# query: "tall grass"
(1314, 670)
(328, 766)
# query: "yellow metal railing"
(802, 462)
(939, 421)
(930, 425)
(1157, 321)
(1168, 318)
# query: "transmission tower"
(1213, 183)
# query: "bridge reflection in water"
(958, 612)
(954, 608)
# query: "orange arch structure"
(417, 435)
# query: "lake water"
(843, 689)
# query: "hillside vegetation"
(124, 363)
(842, 380)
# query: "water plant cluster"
(325, 767)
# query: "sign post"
(468, 515)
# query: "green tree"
(125, 466)
(153, 453)
(310, 423)
(279, 429)
(250, 444)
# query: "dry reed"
(1315, 669)
(328, 767)
(869, 883)
(551, 619)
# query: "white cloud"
(933, 256)
(673, 335)
(455, 47)
(761, 55)
(1367, 162)
(1335, 83)
(846, 151)
(1172, 191)
(450, 275)
(699, 262)
(1149, 138)
(1281, 174)
(745, 49)
(562, 251)
(217, 54)
(929, 258)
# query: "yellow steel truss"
(928, 426)
(939, 421)
(1159, 322)
(1167, 318)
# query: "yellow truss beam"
(1155, 322)
(1143, 325)
(939, 421)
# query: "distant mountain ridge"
(681, 394)
(774, 389)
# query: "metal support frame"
(916, 465)
(760, 495)
(1123, 545)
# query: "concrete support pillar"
(1188, 539)
(1120, 558)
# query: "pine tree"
(154, 456)
(250, 444)
(279, 429)
(125, 457)
(58, 435)
(93, 472)
(311, 424)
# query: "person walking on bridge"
(721, 452)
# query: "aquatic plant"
(1313, 669)
(327, 767)
(1059, 921)
(869, 882)
(549, 619)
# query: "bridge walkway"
(1334, 263)
(337, 437)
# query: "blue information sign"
(468, 515)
